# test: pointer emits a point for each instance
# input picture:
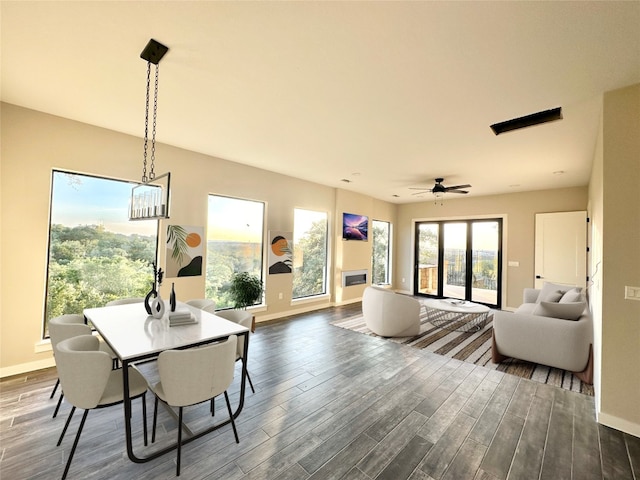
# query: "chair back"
(197, 374)
(83, 370)
(124, 301)
(203, 304)
(66, 326)
(241, 317)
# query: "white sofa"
(390, 314)
(552, 327)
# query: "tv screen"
(354, 227)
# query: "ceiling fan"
(438, 189)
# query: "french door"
(459, 259)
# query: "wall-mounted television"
(355, 227)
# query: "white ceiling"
(388, 95)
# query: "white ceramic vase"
(157, 307)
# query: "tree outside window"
(380, 256)
(235, 234)
(309, 253)
(95, 253)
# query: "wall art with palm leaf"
(185, 250)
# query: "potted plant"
(245, 290)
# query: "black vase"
(172, 298)
(149, 298)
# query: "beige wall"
(34, 143)
(615, 196)
(355, 255)
(518, 213)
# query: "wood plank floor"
(335, 404)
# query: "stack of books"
(181, 317)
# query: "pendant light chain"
(146, 126)
(152, 174)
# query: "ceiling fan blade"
(458, 187)
(423, 189)
(457, 191)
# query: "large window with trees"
(235, 233)
(310, 256)
(95, 253)
(380, 265)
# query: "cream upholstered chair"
(125, 301)
(244, 318)
(390, 314)
(89, 382)
(202, 304)
(192, 376)
(68, 326)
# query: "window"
(309, 253)
(460, 259)
(235, 235)
(95, 253)
(380, 272)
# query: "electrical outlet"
(280, 296)
(631, 293)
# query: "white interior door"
(561, 248)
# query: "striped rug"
(473, 347)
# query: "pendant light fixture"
(150, 199)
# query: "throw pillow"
(573, 295)
(552, 292)
(565, 311)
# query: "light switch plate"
(632, 293)
(513, 263)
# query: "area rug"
(473, 347)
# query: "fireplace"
(354, 277)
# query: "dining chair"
(67, 326)
(124, 301)
(192, 376)
(202, 303)
(244, 318)
(89, 382)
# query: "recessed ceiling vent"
(527, 121)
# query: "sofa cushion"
(565, 311)
(573, 295)
(553, 292)
(526, 308)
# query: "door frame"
(501, 281)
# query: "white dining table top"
(132, 333)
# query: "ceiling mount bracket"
(154, 51)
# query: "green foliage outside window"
(380, 255)
(89, 267)
(310, 261)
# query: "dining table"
(135, 336)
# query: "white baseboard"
(288, 313)
(618, 423)
(347, 302)
(26, 367)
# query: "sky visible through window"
(86, 200)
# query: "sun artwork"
(193, 240)
(280, 246)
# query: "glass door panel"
(455, 260)
(485, 249)
(428, 258)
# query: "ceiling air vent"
(527, 121)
